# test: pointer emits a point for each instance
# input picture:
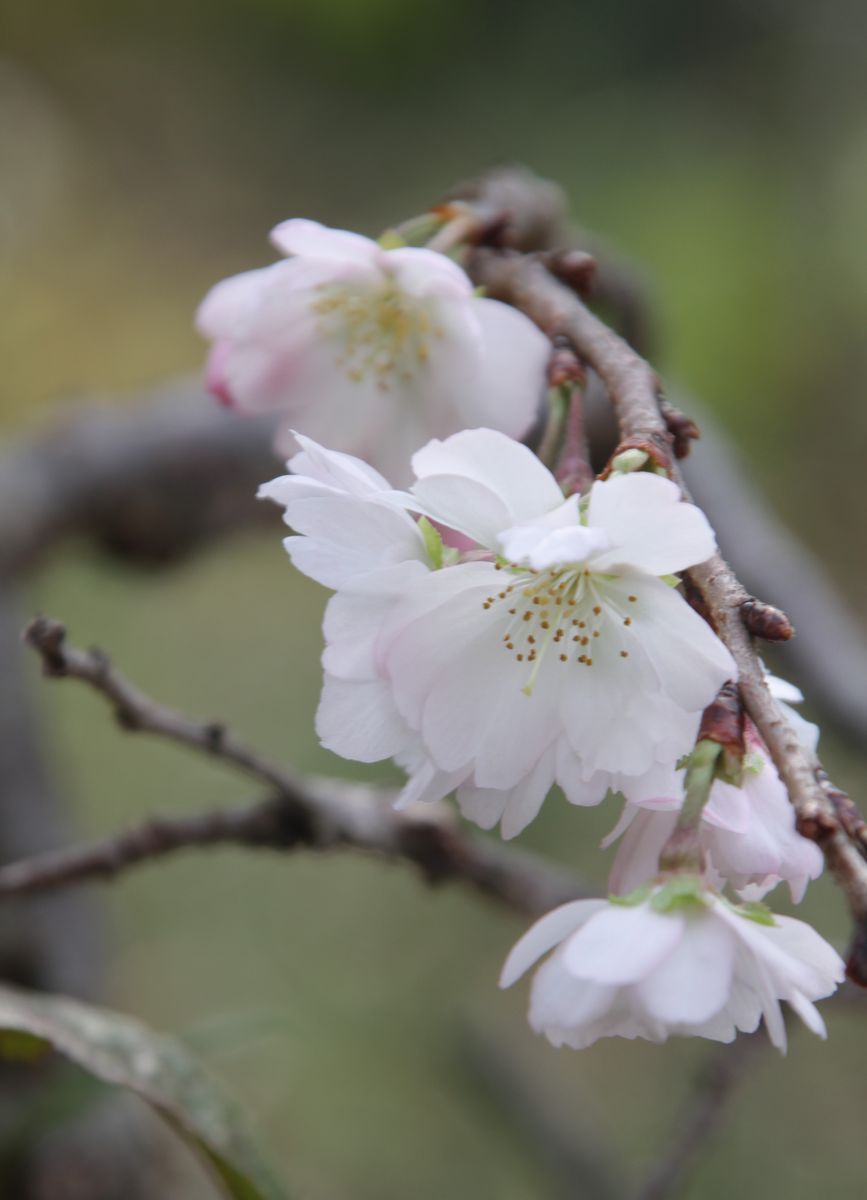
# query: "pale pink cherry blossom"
(677, 959)
(373, 350)
(747, 833)
(550, 651)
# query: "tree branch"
(634, 392)
(701, 1116)
(316, 813)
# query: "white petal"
(692, 984)
(359, 720)
(691, 661)
(309, 238)
(507, 468)
(342, 471)
(622, 943)
(515, 357)
(808, 1013)
(650, 527)
(463, 504)
(545, 934)
(421, 272)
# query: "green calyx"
(680, 891)
(753, 910)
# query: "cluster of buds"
(497, 633)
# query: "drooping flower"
(550, 651)
(679, 961)
(747, 833)
(373, 350)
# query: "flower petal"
(693, 982)
(651, 527)
(545, 934)
(310, 239)
(622, 944)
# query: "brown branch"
(701, 1117)
(634, 392)
(148, 482)
(314, 813)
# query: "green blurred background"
(146, 150)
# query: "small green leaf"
(433, 543)
(119, 1050)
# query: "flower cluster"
(497, 637)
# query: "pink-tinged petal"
(514, 363)
(637, 858)
(545, 935)
(359, 720)
(569, 1010)
(426, 785)
(216, 380)
(622, 943)
(310, 239)
(526, 488)
(420, 272)
(650, 526)
(483, 806)
(231, 303)
(693, 982)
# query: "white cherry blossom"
(747, 833)
(375, 350)
(680, 961)
(549, 651)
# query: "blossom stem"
(682, 851)
(551, 444)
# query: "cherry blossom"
(747, 833)
(552, 650)
(678, 960)
(374, 349)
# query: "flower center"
(565, 611)
(384, 333)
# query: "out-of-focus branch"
(634, 391)
(319, 814)
(702, 1114)
(149, 482)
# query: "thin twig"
(315, 813)
(701, 1117)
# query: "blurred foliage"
(147, 149)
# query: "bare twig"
(701, 1117)
(320, 814)
(634, 392)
